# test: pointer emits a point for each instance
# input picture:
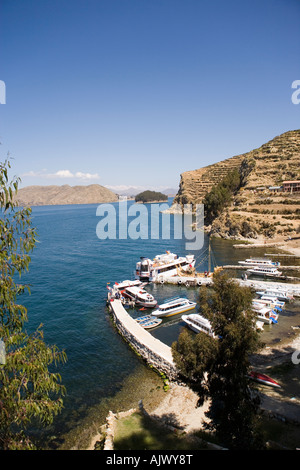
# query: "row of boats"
(169, 264)
(262, 267)
(268, 305)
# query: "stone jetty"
(152, 350)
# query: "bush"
(221, 194)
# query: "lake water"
(68, 274)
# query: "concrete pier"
(293, 289)
(156, 353)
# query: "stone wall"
(148, 352)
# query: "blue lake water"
(68, 274)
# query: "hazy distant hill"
(134, 190)
(65, 194)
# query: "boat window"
(144, 268)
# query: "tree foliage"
(28, 390)
(218, 368)
(220, 195)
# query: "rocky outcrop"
(65, 194)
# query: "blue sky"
(134, 92)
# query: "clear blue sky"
(134, 92)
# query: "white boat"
(264, 271)
(140, 296)
(174, 306)
(163, 266)
(259, 262)
(266, 315)
(198, 323)
(148, 321)
(270, 301)
(274, 303)
(122, 285)
(279, 294)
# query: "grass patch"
(138, 432)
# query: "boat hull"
(175, 312)
(263, 379)
(203, 326)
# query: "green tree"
(29, 391)
(221, 194)
(217, 368)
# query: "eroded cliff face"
(256, 209)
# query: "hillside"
(255, 210)
(59, 195)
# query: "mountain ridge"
(38, 195)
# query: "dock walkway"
(156, 353)
(294, 289)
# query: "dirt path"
(179, 408)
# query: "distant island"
(151, 196)
(65, 194)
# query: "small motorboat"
(148, 321)
(140, 296)
(275, 294)
(263, 379)
(174, 306)
(127, 283)
(198, 323)
(276, 304)
(264, 271)
(143, 318)
(259, 262)
(266, 314)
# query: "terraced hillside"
(258, 208)
(195, 184)
(275, 162)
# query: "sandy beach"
(290, 245)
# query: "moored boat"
(279, 294)
(264, 271)
(127, 283)
(259, 262)
(198, 323)
(263, 379)
(162, 266)
(148, 321)
(140, 296)
(272, 303)
(174, 306)
(266, 314)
